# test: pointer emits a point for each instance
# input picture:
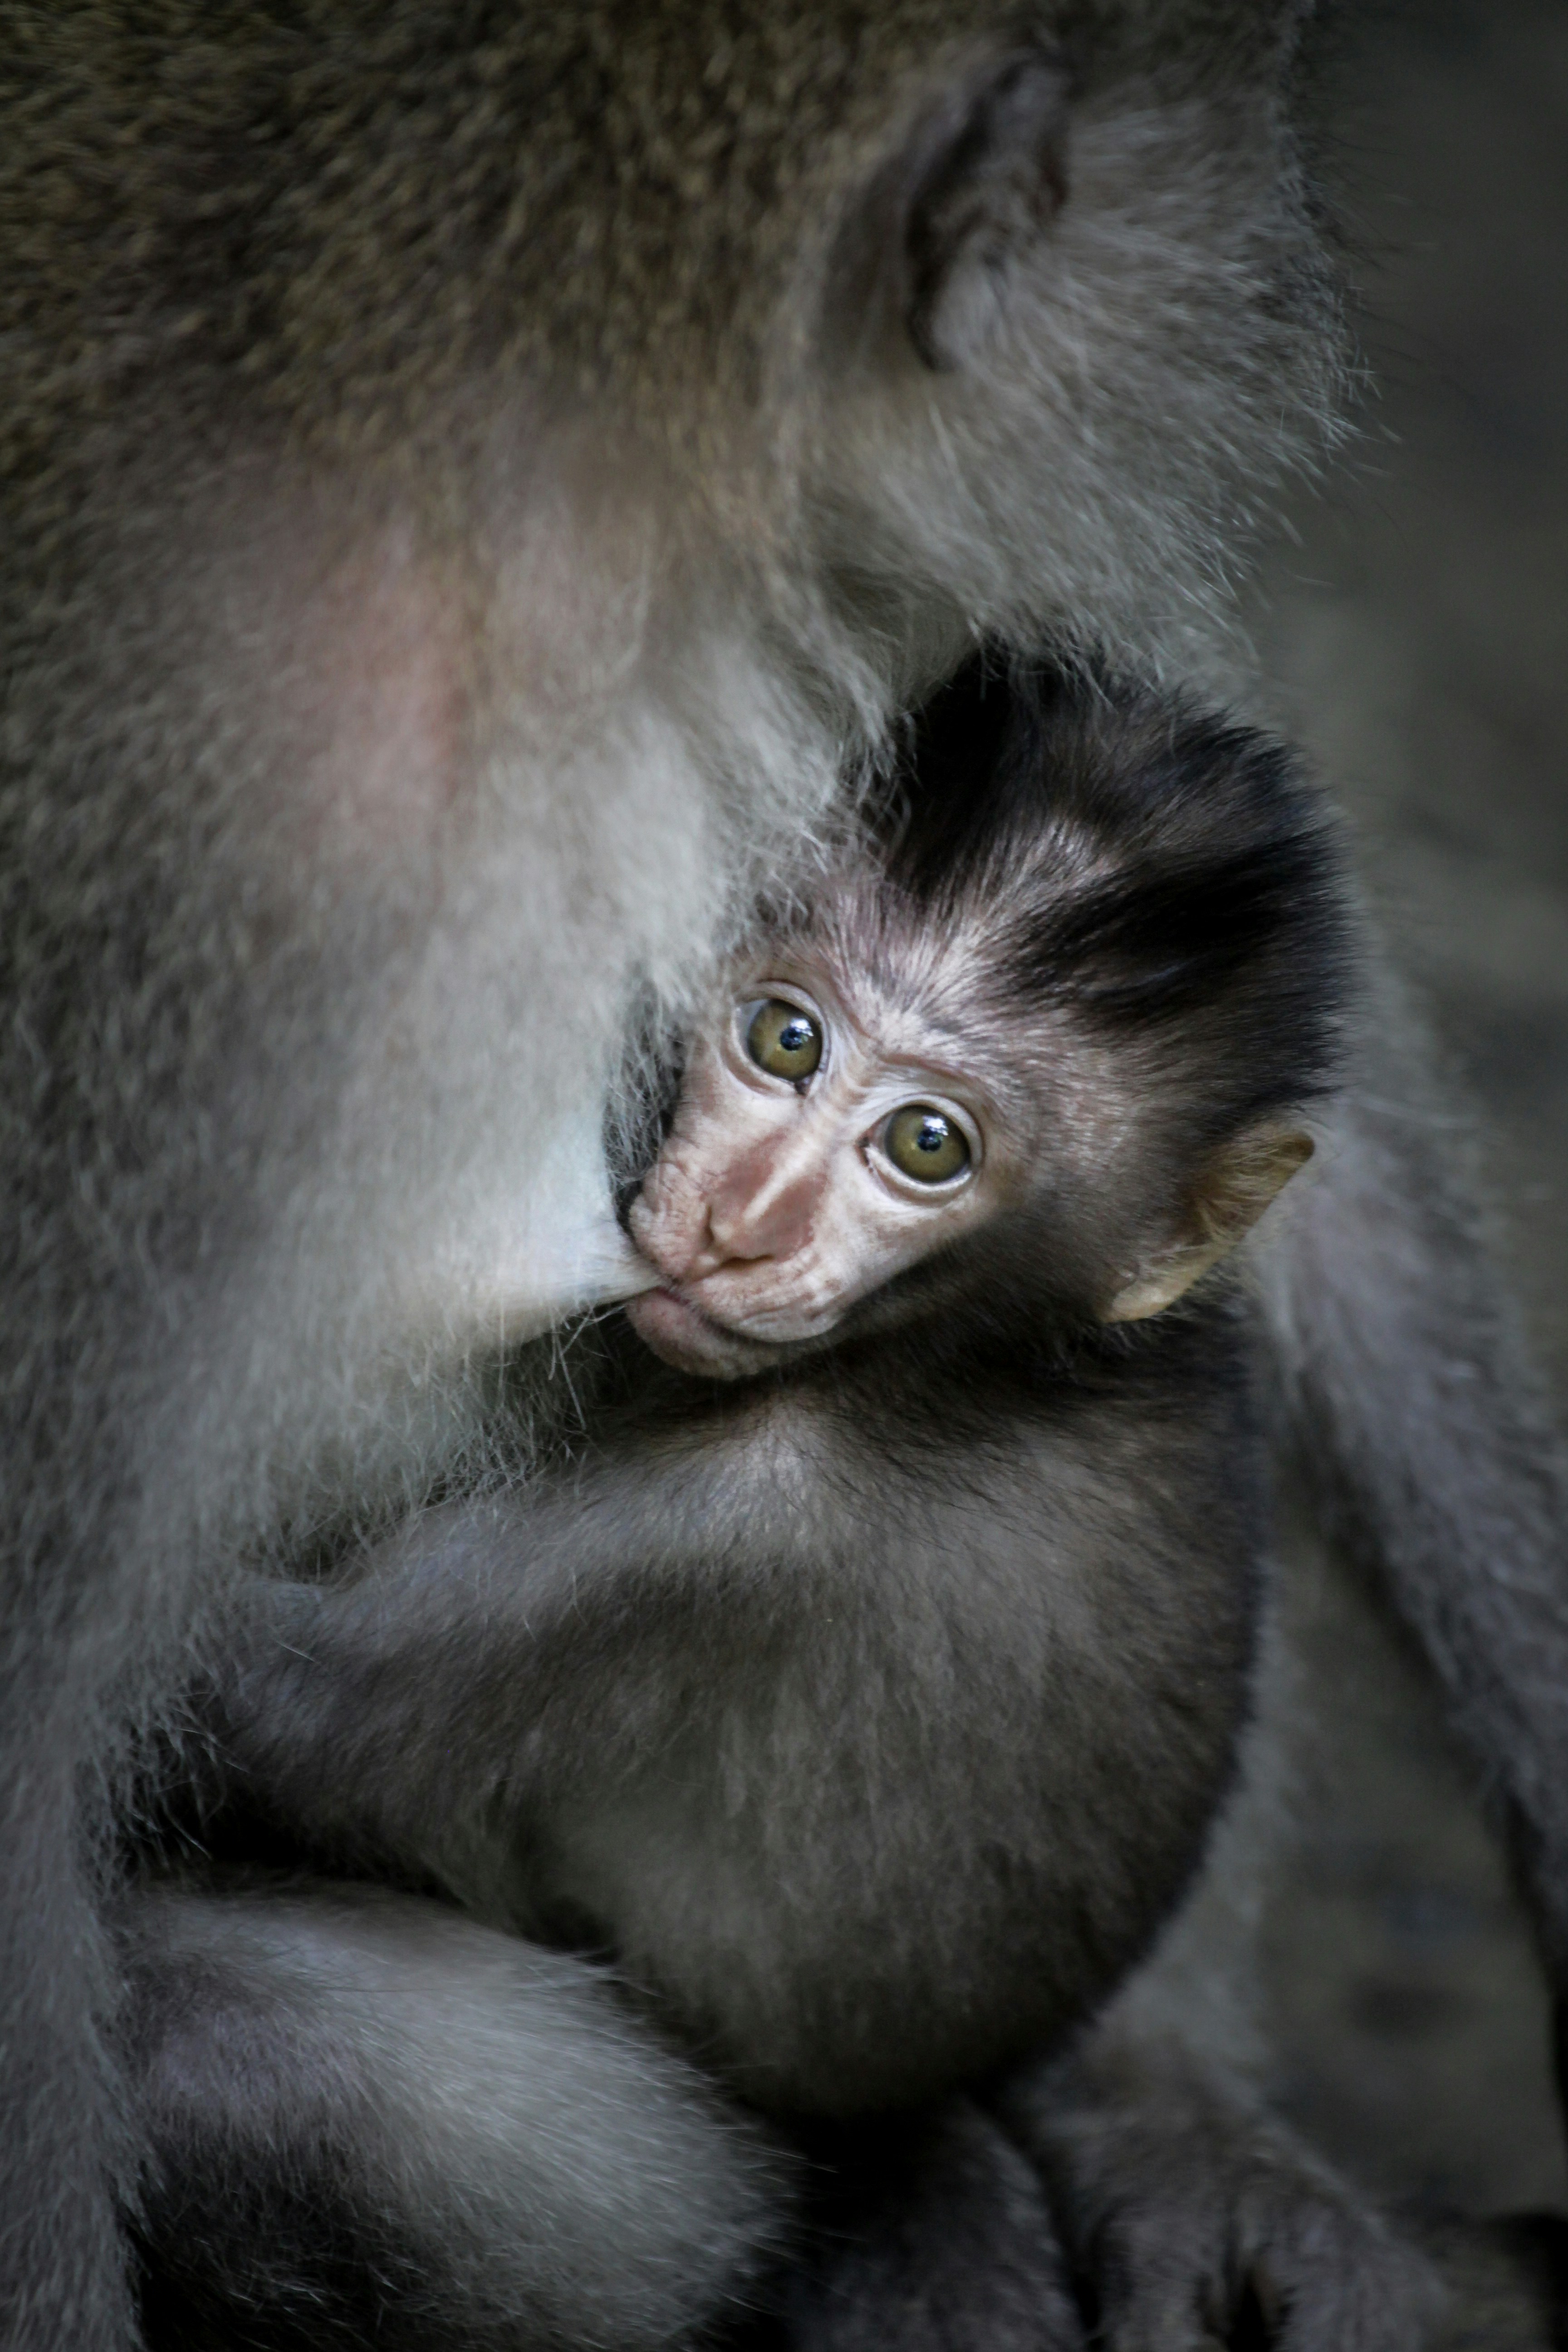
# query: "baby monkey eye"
(784, 1040)
(925, 1144)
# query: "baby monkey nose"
(716, 1200)
(762, 1213)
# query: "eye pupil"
(783, 1040)
(925, 1143)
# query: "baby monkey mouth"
(682, 1334)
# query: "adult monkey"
(468, 473)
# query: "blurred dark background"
(1418, 634)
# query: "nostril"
(754, 1226)
(729, 1242)
(764, 1211)
(712, 1253)
(730, 1252)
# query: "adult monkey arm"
(1417, 1432)
(465, 479)
(1421, 1428)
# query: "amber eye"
(783, 1040)
(925, 1144)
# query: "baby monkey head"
(1037, 1055)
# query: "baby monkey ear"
(982, 202)
(1229, 1197)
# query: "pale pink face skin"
(773, 1205)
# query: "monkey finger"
(1191, 2212)
(1325, 2273)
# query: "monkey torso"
(871, 1720)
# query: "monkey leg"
(933, 2234)
(1418, 1421)
(366, 2119)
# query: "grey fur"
(345, 389)
(467, 480)
(1412, 1405)
(432, 2119)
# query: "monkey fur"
(964, 1553)
(469, 479)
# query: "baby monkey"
(867, 1680)
(975, 1034)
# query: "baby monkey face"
(846, 1114)
(827, 1135)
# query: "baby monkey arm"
(383, 1721)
